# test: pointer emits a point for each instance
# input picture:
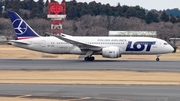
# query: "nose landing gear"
(158, 55)
(157, 59)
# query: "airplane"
(85, 46)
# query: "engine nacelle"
(111, 52)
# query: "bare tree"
(97, 26)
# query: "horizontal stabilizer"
(19, 42)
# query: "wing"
(80, 44)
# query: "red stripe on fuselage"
(22, 38)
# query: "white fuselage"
(128, 45)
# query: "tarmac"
(91, 92)
(60, 64)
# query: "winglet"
(21, 28)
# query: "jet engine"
(111, 52)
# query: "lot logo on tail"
(140, 45)
(19, 26)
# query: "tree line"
(78, 9)
(174, 12)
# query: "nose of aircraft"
(168, 49)
(171, 48)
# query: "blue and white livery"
(108, 47)
(21, 28)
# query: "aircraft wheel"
(86, 59)
(91, 58)
(157, 59)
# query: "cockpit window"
(165, 43)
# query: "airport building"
(175, 41)
(133, 33)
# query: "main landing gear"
(89, 58)
(158, 55)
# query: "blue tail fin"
(21, 28)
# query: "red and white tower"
(56, 12)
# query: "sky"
(147, 4)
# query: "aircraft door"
(43, 45)
(158, 47)
(161, 46)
